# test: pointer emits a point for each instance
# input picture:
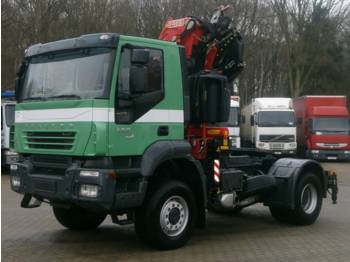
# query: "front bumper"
(113, 193)
(279, 153)
(328, 154)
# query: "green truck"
(104, 125)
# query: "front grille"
(276, 146)
(277, 138)
(50, 140)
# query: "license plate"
(278, 153)
(332, 158)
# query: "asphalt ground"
(34, 235)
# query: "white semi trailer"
(268, 124)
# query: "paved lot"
(34, 235)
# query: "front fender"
(161, 151)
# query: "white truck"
(269, 125)
(7, 120)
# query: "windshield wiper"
(338, 131)
(34, 98)
(265, 124)
(328, 131)
(276, 138)
(65, 96)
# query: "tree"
(309, 28)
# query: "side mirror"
(209, 98)
(243, 119)
(138, 79)
(17, 84)
(252, 120)
(139, 56)
(19, 75)
(309, 124)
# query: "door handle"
(129, 136)
(163, 131)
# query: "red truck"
(323, 127)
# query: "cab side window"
(140, 82)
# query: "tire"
(282, 215)
(166, 219)
(77, 218)
(308, 203)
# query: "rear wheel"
(167, 217)
(308, 202)
(78, 218)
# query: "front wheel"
(308, 202)
(167, 217)
(78, 218)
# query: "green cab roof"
(88, 41)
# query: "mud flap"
(287, 172)
(332, 186)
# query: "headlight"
(11, 153)
(293, 144)
(89, 173)
(261, 144)
(15, 181)
(13, 167)
(88, 190)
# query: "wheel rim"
(174, 216)
(309, 198)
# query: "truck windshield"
(331, 125)
(82, 73)
(233, 119)
(276, 118)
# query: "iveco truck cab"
(108, 124)
(269, 125)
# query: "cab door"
(143, 113)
